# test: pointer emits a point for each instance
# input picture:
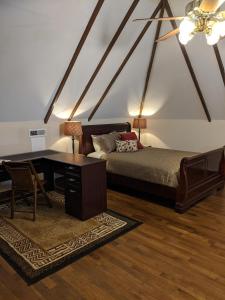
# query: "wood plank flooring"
(170, 256)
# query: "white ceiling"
(37, 41)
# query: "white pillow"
(96, 154)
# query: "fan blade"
(168, 35)
(160, 19)
(211, 5)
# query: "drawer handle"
(73, 191)
(71, 168)
(72, 180)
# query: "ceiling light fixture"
(198, 21)
(202, 16)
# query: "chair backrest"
(21, 174)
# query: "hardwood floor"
(170, 256)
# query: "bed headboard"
(86, 145)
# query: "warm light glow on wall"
(150, 139)
(64, 115)
(149, 110)
(63, 144)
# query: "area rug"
(38, 249)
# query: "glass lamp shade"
(140, 123)
(72, 128)
(187, 26)
(212, 38)
(185, 38)
(222, 28)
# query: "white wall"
(37, 41)
(14, 136)
(190, 135)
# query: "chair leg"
(35, 203)
(12, 203)
(48, 200)
(41, 187)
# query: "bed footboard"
(200, 175)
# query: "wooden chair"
(25, 180)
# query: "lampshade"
(72, 128)
(140, 123)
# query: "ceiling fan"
(202, 16)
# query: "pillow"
(132, 146)
(126, 146)
(131, 136)
(96, 154)
(105, 142)
(121, 146)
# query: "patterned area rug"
(55, 239)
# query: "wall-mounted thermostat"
(37, 132)
(37, 137)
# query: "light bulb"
(185, 38)
(212, 38)
(222, 28)
(187, 26)
(217, 28)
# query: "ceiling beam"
(104, 57)
(220, 62)
(74, 58)
(189, 65)
(128, 56)
(151, 61)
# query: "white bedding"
(96, 154)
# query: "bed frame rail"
(200, 175)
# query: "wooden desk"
(85, 179)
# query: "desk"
(84, 177)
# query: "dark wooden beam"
(104, 57)
(151, 61)
(74, 58)
(136, 43)
(189, 65)
(220, 62)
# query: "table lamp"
(73, 129)
(139, 123)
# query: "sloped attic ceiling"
(38, 39)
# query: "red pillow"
(131, 136)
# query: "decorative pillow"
(131, 136)
(126, 146)
(121, 146)
(132, 146)
(105, 142)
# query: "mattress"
(155, 165)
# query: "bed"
(184, 177)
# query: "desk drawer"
(71, 179)
(73, 187)
(71, 170)
(72, 193)
(73, 202)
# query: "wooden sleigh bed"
(199, 175)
